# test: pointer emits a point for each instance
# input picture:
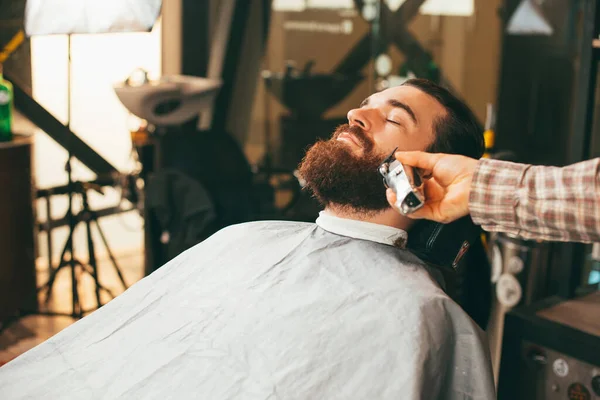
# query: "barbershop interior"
(193, 199)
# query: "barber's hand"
(446, 190)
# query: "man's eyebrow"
(405, 107)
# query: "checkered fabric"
(538, 202)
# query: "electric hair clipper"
(405, 181)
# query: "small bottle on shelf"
(6, 108)
(489, 134)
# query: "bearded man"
(336, 309)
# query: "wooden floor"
(31, 330)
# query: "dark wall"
(11, 21)
(539, 95)
(537, 86)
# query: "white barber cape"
(270, 310)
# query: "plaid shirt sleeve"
(538, 202)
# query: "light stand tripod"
(89, 217)
(85, 215)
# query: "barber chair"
(456, 251)
(199, 180)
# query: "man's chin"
(339, 178)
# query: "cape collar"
(362, 230)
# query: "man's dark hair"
(458, 132)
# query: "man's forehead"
(401, 93)
(424, 106)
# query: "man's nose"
(359, 117)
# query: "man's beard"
(337, 177)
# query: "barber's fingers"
(447, 169)
(419, 159)
(433, 191)
(391, 197)
(423, 212)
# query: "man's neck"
(389, 217)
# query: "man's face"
(343, 170)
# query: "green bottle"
(6, 108)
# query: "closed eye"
(393, 122)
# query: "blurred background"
(140, 130)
